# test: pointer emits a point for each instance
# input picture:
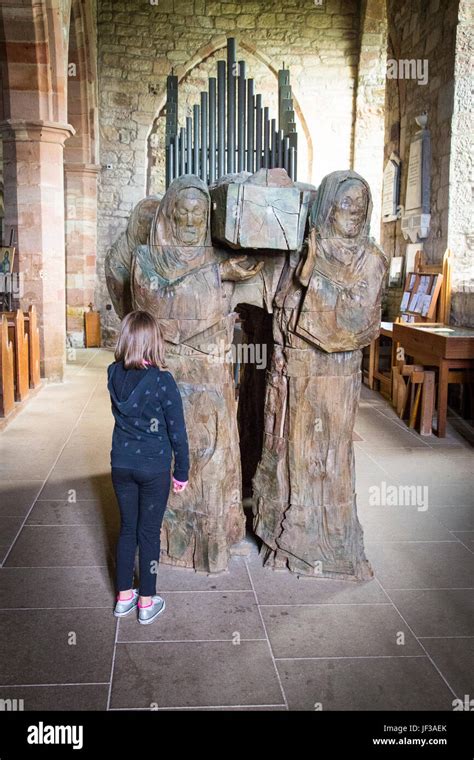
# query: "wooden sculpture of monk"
(178, 278)
(327, 309)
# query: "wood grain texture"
(19, 338)
(118, 259)
(326, 309)
(7, 382)
(180, 284)
(32, 329)
(265, 210)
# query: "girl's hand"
(179, 485)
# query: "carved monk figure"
(327, 308)
(178, 278)
(118, 260)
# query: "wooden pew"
(32, 331)
(7, 382)
(19, 338)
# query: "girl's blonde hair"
(140, 339)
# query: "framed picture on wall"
(7, 257)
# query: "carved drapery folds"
(324, 305)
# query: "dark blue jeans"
(142, 498)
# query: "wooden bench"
(7, 373)
(21, 353)
(31, 330)
(19, 338)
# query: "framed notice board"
(420, 297)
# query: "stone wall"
(461, 179)
(424, 31)
(370, 102)
(139, 43)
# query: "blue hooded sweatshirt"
(149, 421)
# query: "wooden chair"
(414, 395)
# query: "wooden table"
(442, 346)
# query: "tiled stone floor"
(404, 641)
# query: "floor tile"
(62, 512)
(382, 524)
(60, 485)
(466, 537)
(338, 631)
(455, 518)
(16, 498)
(63, 545)
(437, 613)
(194, 674)
(284, 587)
(57, 587)
(395, 683)
(422, 565)
(63, 697)
(192, 617)
(171, 578)
(9, 527)
(455, 659)
(55, 646)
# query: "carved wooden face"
(190, 217)
(349, 210)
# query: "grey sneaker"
(147, 615)
(125, 607)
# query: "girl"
(149, 426)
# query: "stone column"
(80, 185)
(457, 195)
(368, 145)
(34, 205)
